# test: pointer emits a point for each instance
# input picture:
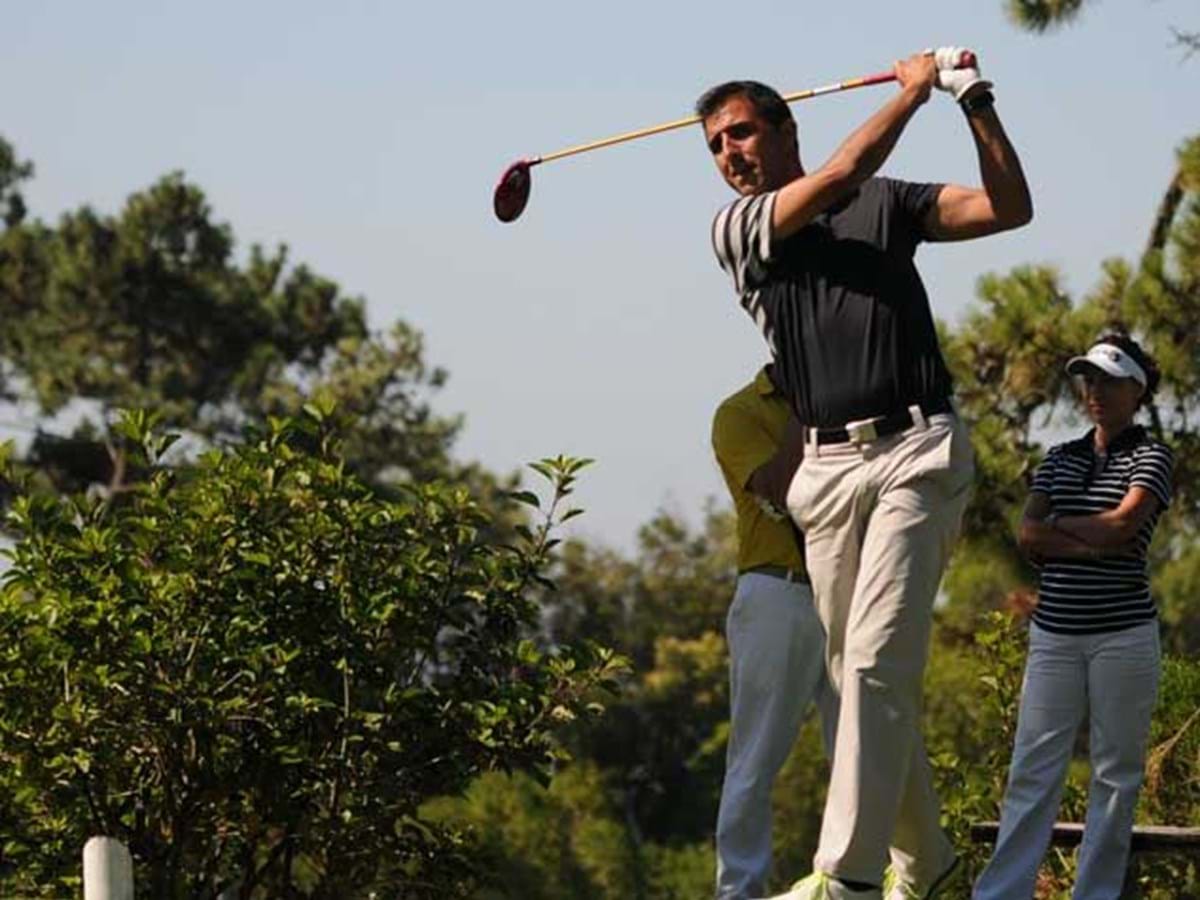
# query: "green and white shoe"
(819, 886)
(895, 889)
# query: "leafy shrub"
(254, 670)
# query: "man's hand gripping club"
(958, 82)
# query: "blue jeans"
(776, 672)
(1114, 679)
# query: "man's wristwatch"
(978, 101)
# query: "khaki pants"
(879, 521)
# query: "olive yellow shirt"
(747, 429)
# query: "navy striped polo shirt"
(1086, 596)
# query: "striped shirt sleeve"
(1152, 471)
(741, 238)
(1043, 475)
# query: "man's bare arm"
(1002, 203)
(860, 155)
(771, 480)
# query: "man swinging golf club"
(823, 263)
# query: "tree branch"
(256, 874)
(1167, 208)
(1187, 41)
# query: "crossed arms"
(1108, 533)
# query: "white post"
(107, 870)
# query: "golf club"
(512, 191)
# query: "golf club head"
(512, 191)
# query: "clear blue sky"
(369, 135)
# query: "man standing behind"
(823, 262)
(776, 643)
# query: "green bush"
(254, 671)
(1171, 793)
(568, 840)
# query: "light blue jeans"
(776, 672)
(1114, 679)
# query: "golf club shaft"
(878, 78)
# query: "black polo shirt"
(1086, 596)
(840, 302)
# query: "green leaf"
(527, 497)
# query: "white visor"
(1111, 359)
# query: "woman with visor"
(1093, 640)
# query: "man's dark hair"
(1140, 356)
(766, 100)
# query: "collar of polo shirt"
(1128, 439)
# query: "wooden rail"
(1146, 838)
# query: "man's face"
(751, 154)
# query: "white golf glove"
(957, 81)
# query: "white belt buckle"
(861, 432)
